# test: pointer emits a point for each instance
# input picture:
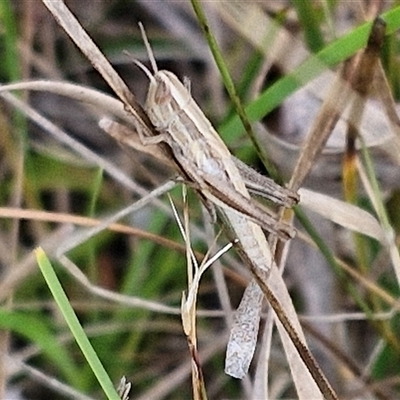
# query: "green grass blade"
(74, 325)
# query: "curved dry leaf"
(100, 100)
(306, 386)
(347, 215)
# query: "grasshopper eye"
(163, 92)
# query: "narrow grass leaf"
(74, 325)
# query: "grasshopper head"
(166, 98)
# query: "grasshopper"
(209, 166)
(202, 154)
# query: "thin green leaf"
(74, 325)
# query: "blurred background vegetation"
(351, 321)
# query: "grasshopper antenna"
(148, 48)
(150, 54)
(141, 66)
